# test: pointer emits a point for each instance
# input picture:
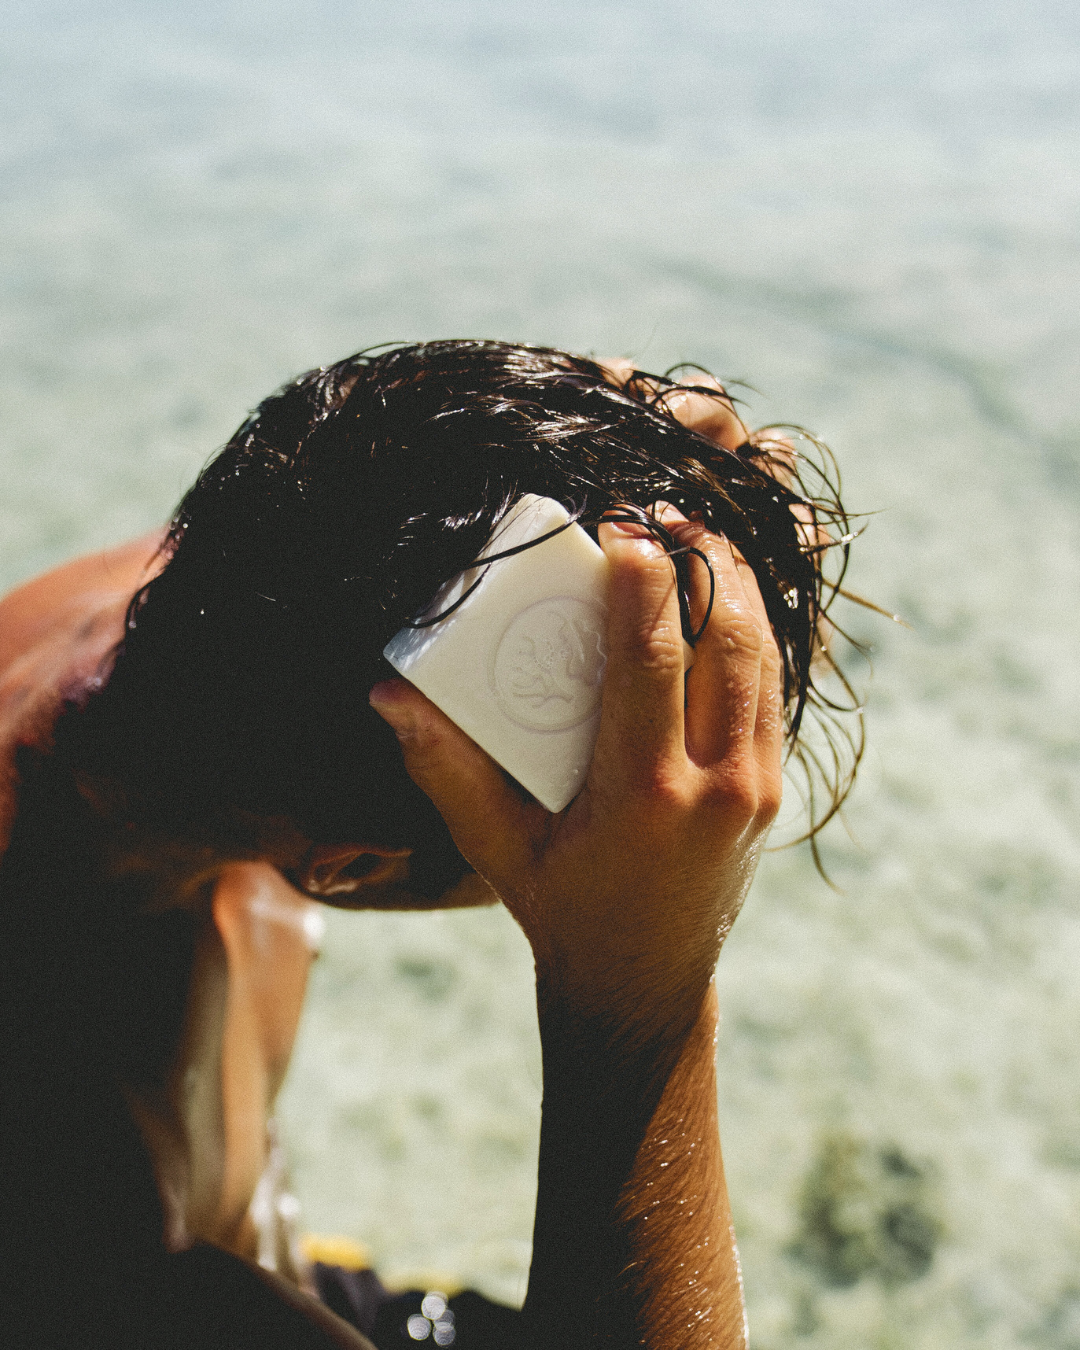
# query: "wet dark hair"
(331, 518)
(238, 702)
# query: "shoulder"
(220, 1300)
(65, 598)
(201, 1299)
(56, 633)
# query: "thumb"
(487, 818)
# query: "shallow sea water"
(872, 215)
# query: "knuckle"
(770, 795)
(654, 651)
(424, 748)
(740, 634)
(659, 792)
(736, 794)
(771, 664)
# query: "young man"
(186, 769)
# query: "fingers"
(641, 735)
(722, 689)
(769, 721)
(778, 455)
(733, 697)
(781, 459)
(712, 415)
(488, 820)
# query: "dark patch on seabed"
(432, 979)
(866, 1211)
(1060, 1328)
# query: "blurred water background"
(870, 212)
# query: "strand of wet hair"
(679, 555)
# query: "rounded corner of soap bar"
(558, 799)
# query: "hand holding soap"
(519, 664)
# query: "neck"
(186, 1128)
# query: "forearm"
(633, 1243)
(625, 898)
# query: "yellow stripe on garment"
(335, 1251)
(433, 1281)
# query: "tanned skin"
(56, 635)
(625, 897)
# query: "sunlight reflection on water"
(871, 215)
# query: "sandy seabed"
(870, 216)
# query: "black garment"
(208, 1299)
(469, 1322)
(202, 1299)
(223, 1301)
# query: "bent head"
(235, 729)
(332, 517)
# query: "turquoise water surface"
(868, 211)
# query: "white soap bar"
(519, 665)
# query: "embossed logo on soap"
(549, 664)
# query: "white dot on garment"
(433, 1305)
(419, 1328)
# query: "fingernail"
(634, 529)
(385, 699)
(667, 514)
